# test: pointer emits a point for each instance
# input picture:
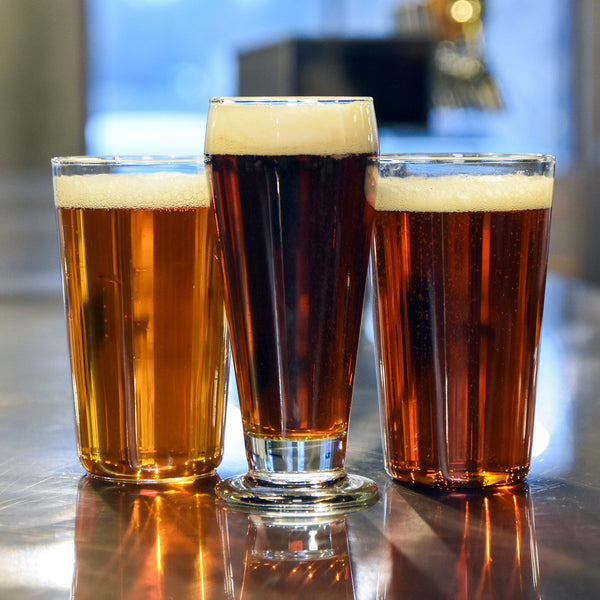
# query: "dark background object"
(395, 72)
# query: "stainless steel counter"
(65, 535)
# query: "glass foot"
(345, 494)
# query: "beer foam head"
(128, 190)
(464, 193)
(291, 126)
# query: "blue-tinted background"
(153, 65)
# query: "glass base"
(345, 494)
(297, 477)
(142, 481)
(438, 479)
(125, 473)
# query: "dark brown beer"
(144, 303)
(295, 224)
(458, 306)
(295, 236)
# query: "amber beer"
(144, 303)
(290, 185)
(459, 268)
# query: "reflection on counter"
(290, 558)
(160, 542)
(148, 542)
(459, 545)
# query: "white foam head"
(464, 193)
(291, 126)
(127, 190)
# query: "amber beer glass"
(458, 274)
(291, 185)
(146, 324)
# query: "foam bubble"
(291, 128)
(127, 190)
(464, 193)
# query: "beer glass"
(458, 273)
(292, 182)
(145, 315)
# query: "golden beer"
(147, 336)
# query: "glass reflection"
(154, 542)
(459, 546)
(296, 558)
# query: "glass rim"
(288, 99)
(126, 160)
(462, 158)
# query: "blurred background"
(134, 77)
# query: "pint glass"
(145, 315)
(458, 274)
(292, 182)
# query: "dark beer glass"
(292, 182)
(458, 274)
(145, 314)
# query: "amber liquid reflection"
(294, 560)
(148, 543)
(459, 546)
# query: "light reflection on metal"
(162, 542)
(297, 558)
(472, 545)
(51, 564)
